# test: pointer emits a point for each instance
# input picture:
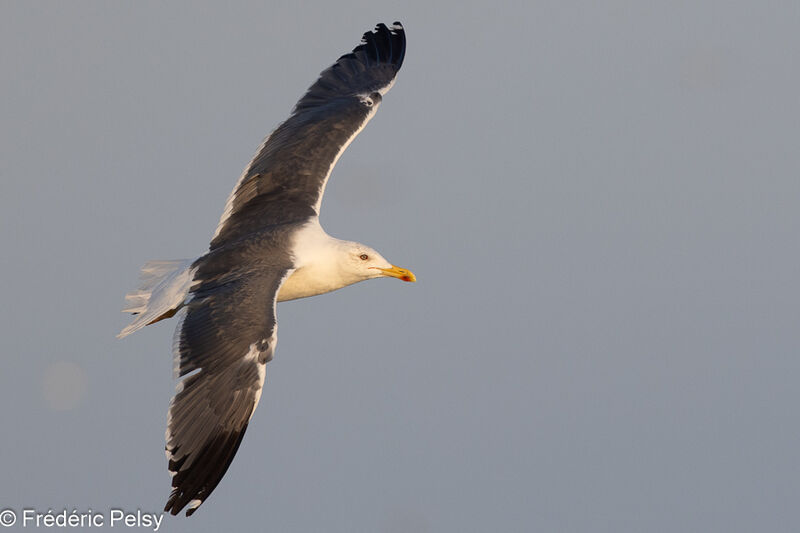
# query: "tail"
(162, 292)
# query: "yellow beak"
(399, 273)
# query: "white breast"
(316, 265)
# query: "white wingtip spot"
(194, 504)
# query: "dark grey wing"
(286, 179)
(222, 345)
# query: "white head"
(357, 262)
(324, 264)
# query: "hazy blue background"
(601, 202)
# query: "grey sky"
(600, 202)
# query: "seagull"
(268, 247)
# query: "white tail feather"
(163, 287)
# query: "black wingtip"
(371, 66)
(200, 479)
(384, 44)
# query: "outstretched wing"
(286, 179)
(225, 337)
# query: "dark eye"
(364, 257)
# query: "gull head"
(360, 262)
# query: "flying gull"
(268, 247)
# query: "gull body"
(268, 247)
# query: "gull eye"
(364, 257)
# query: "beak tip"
(399, 273)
